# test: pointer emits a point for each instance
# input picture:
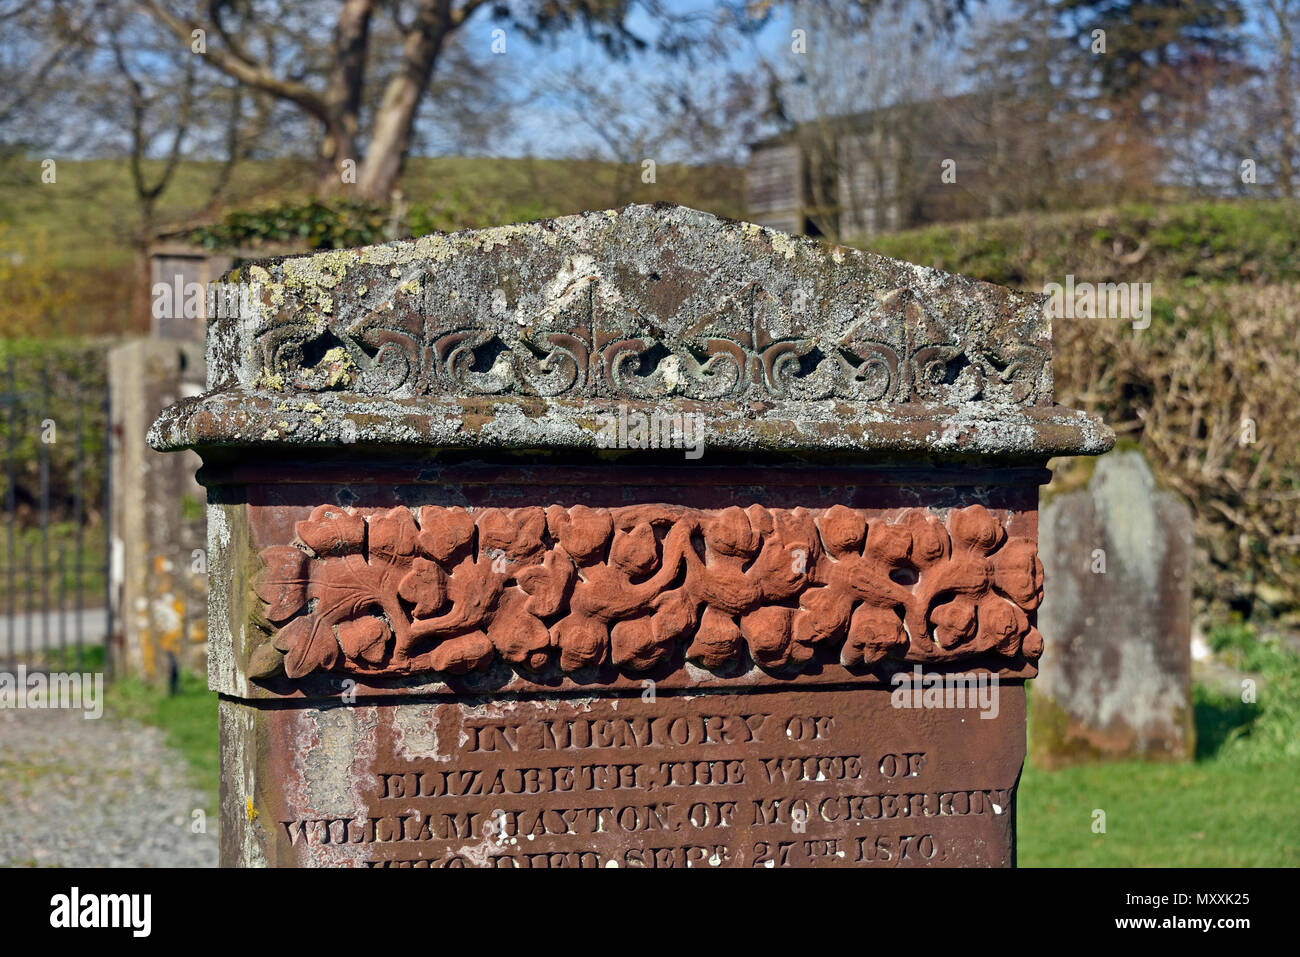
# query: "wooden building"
(883, 170)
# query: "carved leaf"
(873, 634)
(635, 552)
(425, 586)
(582, 532)
(730, 533)
(890, 545)
(364, 638)
(767, 632)
(1001, 625)
(517, 532)
(582, 642)
(342, 587)
(393, 535)
(1018, 573)
(717, 641)
(842, 530)
(282, 583)
(332, 531)
(975, 529)
(827, 614)
(954, 622)
(519, 636)
(444, 530)
(633, 644)
(930, 542)
(308, 645)
(547, 585)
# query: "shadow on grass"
(1219, 718)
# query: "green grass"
(1206, 814)
(189, 717)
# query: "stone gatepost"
(158, 574)
(636, 539)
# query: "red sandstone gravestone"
(637, 538)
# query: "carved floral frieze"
(455, 590)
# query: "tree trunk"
(343, 96)
(337, 145)
(1286, 104)
(391, 137)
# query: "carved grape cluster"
(584, 587)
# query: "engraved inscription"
(797, 779)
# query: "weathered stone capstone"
(521, 336)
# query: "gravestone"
(637, 538)
(1116, 675)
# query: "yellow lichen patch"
(323, 270)
(782, 244)
(342, 370)
(434, 247)
(148, 658)
(266, 379)
(251, 811)
(488, 239)
(258, 274)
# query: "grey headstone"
(1115, 677)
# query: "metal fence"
(55, 612)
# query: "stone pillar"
(159, 565)
(635, 538)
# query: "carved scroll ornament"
(383, 594)
(729, 354)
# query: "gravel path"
(99, 793)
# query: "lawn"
(1211, 813)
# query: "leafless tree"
(327, 80)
